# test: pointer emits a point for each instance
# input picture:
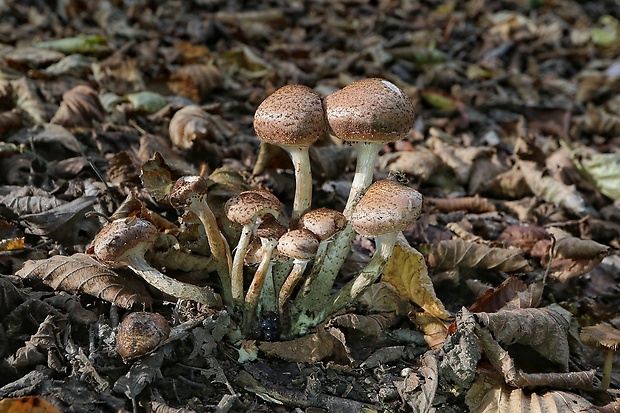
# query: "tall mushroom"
(247, 208)
(386, 208)
(293, 117)
(368, 113)
(123, 243)
(190, 193)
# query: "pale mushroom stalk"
(124, 242)
(607, 369)
(303, 182)
(254, 291)
(236, 274)
(293, 278)
(367, 276)
(367, 153)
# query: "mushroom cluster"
(297, 260)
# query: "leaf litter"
(515, 148)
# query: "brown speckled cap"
(247, 206)
(387, 206)
(323, 222)
(122, 238)
(292, 115)
(299, 244)
(370, 110)
(270, 229)
(188, 189)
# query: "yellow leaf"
(407, 272)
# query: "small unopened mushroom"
(190, 193)
(269, 232)
(606, 337)
(141, 333)
(368, 113)
(387, 208)
(123, 243)
(301, 245)
(324, 223)
(248, 209)
(293, 117)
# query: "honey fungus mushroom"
(141, 333)
(607, 338)
(293, 118)
(122, 243)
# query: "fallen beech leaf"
(80, 106)
(81, 273)
(191, 124)
(195, 81)
(523, 237)
(573, 256)
(382, 297)
(490, 394)
(27, 98)
(407, 272)
(471, 203)
(244, 62)
(435, 329)
(446, 255)
(497, 298)
(602, 169)
(145, 101)
(422, 163)
(418, 394)
(28, 404)
(543, 329)
(86, 44)
(310, 348)
(553, 191)
(10, 119)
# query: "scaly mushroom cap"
(292, 115)
(256, 251)
(123, 238)
(369, 110)
(387, 206)
(188, 189)
(323, 222)
(299, 244)
(270, 229)
(140, 333)
(245, 207)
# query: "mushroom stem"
(167, 285)
(303, 182)
(607, 369)
(253, 294)
(367, 153)
(236, 274)
(297, 272)
(219, 248)
(354, 288)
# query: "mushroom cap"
(187, 190)
(300, 244)
(256, 251)
(270, 229)
(323, 222)
(370, 110)
(387, 206)
(140, 333)
(247, 206)
(601, 335)
(122, 239)
(292, 115)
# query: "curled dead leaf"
(191, 124)
(80, 106)
(195, 81)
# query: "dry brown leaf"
(553, 191)
(191, 124)
(81, 273)
(573, 257)
(407, 272)
(419, 394)
(508, 184)
(421, 163)
(497, 298)
(543, 329)
(490, 394)
(382, 297)
(80, 106)
(195, 81)
(435, 329)
(472, 204)
(458, 253)
(27, 98)
(310, 348)
(523, 236)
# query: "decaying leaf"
(195, 81)
(88, 44)
(602, 169)
(80, 106)
(461, 353)
(543, 329)
(490, 394)
(553, 191)
(497, 298)
(310, 348)
(471, 204)
(422, 163)
(435, 329)
(407, 272)
(458, 253)
(419, 394)
(573, 256)
(191, 124)
(523, 237)
(27, 404)
(81, 273)
(146, 101)
(156, 177)
(29, 101)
